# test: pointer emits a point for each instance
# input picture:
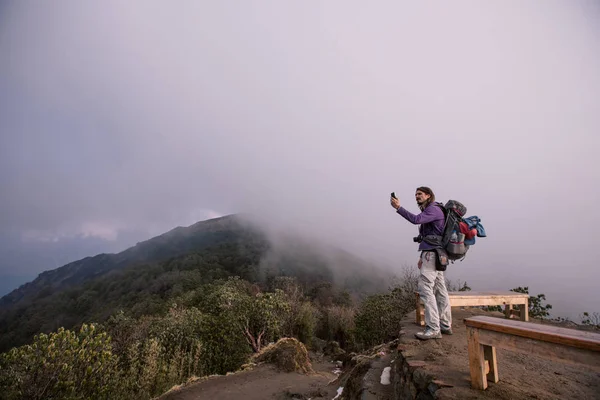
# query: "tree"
(458, 286)
(294, 296)
(590, 319)
(323, 294)
(536, 307)
(259, 316)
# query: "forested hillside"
(143, 279)
(192, 302)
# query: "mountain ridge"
(111, 261)
(144, 277)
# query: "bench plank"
(484, 334)
(546, 333)
(485, 301)
(477, 299)
(533, 347)
(468, 294)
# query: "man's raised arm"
(426, 216)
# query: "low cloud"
(142, 116)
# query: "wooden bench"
(472, 299)
(484, 334)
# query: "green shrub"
(536, 307)
(337, 323)
(305, 322)
(592, 319)
(64, 364)
(378, 319)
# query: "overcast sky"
(141, 116)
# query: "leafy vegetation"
(193, 302)
(458, 286)
(591, 319)
(64, 364)
(212, 329)
(145, 279)
(537, 308)
(378, 319)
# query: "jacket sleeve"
(429, 215)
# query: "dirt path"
(263, 382)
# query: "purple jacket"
(431, 221)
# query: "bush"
(458, 286)
(167, 355)
(592, 319)
(337, 323)
(536, 308)
(305, 323)
(224, 347)
(158, 352)
(378, 319)
(405, 287)
(64, 364)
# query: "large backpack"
(452, 244)
(453, 240)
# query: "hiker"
(432, 284)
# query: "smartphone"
(394, 195)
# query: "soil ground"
(521, 376)
(264, 382)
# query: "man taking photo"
(432, 284)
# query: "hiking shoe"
(428, 334)
(447, 331)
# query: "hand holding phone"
(394, 201)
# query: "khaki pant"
(433, 292)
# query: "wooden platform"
(475, 299)
(485, 334)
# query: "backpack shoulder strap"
(444, 209)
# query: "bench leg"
(477, 365)
(525, 311)
(419, 311)
(489, 354)
(508, 310)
